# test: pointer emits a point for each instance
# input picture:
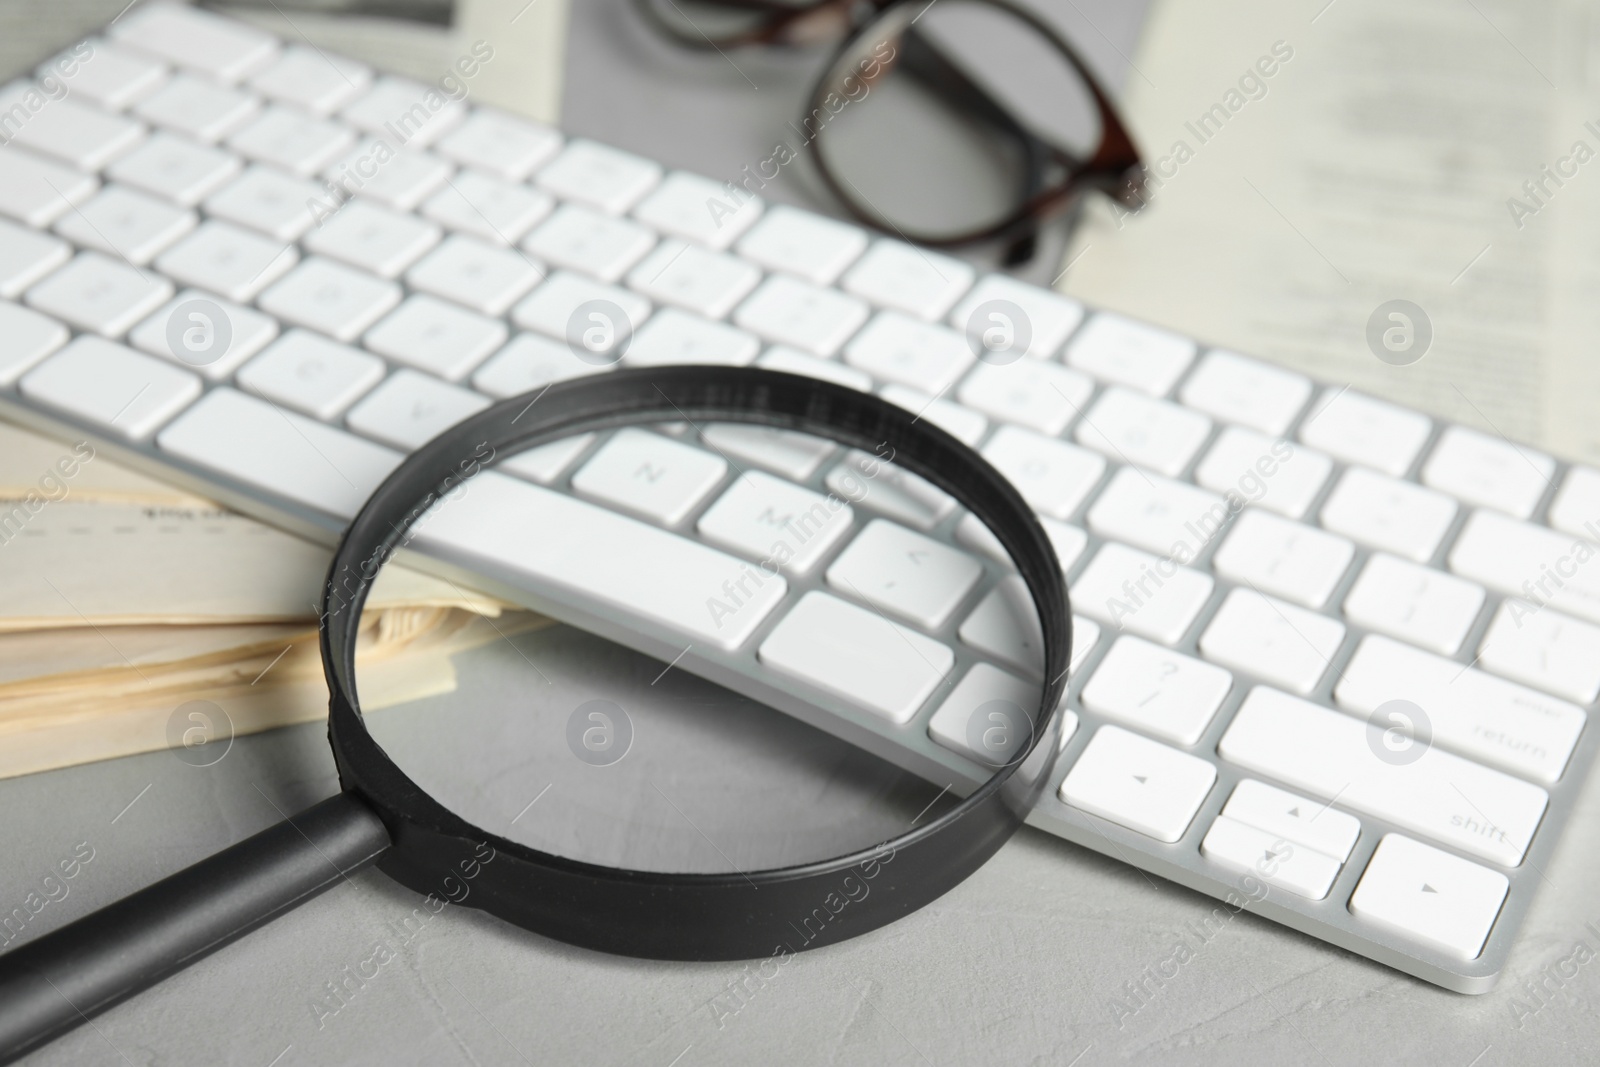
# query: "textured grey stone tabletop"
(1050, 954)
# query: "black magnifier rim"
(685, 916)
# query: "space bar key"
(557, 544)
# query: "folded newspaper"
(124, 601)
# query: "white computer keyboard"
(1258, 563)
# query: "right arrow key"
(1425, 894)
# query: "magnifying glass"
(612, 794)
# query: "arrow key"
(1424, 894)
(1276, 861)
(1282, 814)
(1138, 783)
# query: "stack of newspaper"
(135, 616)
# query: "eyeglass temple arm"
(55, 983)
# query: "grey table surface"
(1025, 963)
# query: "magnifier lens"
(876, 643)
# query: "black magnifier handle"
(60, 980)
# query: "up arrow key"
(1426, 888)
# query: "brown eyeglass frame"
(1113, 167)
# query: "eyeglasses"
(947, 123)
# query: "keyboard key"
(674, 336)
(1158, 514)
(331, 298)
(218, 47)
(1287, 559)
(599, 176)
(373, 238)
(1490, 720)
(803, 244)
(1388, 514)
(312, 80)
(1359, 429)
(796, 456)
(552, 307)
(484, 278)
(248, 331)
(1137, 783)
(1329, 754)
(409, 112)
(126, 224)
(1547, 649)
(77, 134)
(508, 147)
(530, 362)
(905, 278)
(228, 260)
(1140, 594)
(1155, 690)
(1429, 896)
(26, 337)
(697, 209)
(268, 202)
(1418, 604)
(650, 475)
(1135, 354)
(437, 337)
(112, 386)
(904, 573)
(411, 409)
(110, 76)
(398, 179)
(1068, 541)
(1005, 625)
(1274, 640)
(36, 191)
(1085, 635)
(487, 207)
(864, 479)
(791, 312)
(312, 374)
(280, 452)
(1269, 472)
(1148, 433)
(1053, 476)
(1001, 733)
(1277, 862)
(1299, 821)
(1488, 471)
(964, 424)
(600, 558)
(292, 141)
(601, 246)
(857, 656)
(1049, 316)
(1532, 562)
(546, 463)
(1248, 392)
(695, 279)
(1030, 393)
(26, 256)
(899, 349)
(196, 108)
(775, 522)
(791, 361)
(1576, 508)
(100, 295)
(176, 168)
